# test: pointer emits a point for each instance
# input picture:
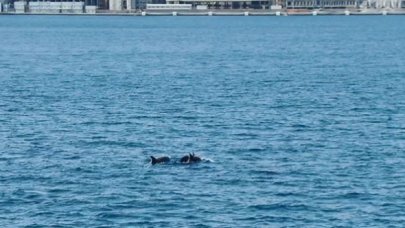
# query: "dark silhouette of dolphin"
(194, 158)
(190, 158)
(185, 159)
(158, 160)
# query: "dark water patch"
(354, 195)
(87, 170)
(146, 117)
(258, 71)
(27, 178)
(265, 172)
(257, 150)
(72, 157)
(43, 214)
(33, 196)
(112, 123)
(282, 207)
(245, 135)
(289, 194)
(112, 143)
(299, 126)
(186, 117)
(58, 191)
(115, 215)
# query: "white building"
(118, 5)
(378, 4)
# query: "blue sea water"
(301, 118)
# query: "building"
(291, 4)
(379, 4)
(117, 5)
(228, 4)
(4, 5)
(321, 4)
(77, 6)
(54, 7)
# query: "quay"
(203, 7)
(225, 13)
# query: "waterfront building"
(54, 7)
(292, 4)
(3, 2)
(321, 4)
(379, 4)
(228, 4)
(80, 6)
(4, 5)
(102, 4)
(116, 5)
(168, 7)
(119, 5)
(141, 4)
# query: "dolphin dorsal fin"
(153, 160)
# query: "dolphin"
(158, 160)
(194, 158)
(190, 158)
(185, 159)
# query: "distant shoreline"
(228, 13)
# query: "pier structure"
(291, 4)
(205, 7)
(227, 4)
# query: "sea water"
(301, 118)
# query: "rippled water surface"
(301, 118)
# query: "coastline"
(316, 12)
